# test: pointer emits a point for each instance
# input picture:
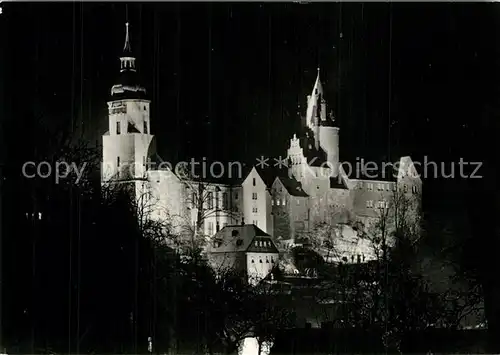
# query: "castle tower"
(326, 135)
(128, 143)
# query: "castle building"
(318, 189)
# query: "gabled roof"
(292, 186)
(242, 238)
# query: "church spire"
(127, 60)
(128, 84)
(126, 47)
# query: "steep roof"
(242, 238)
(292, 186)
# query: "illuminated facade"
(316, 190)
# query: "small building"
(243, 249)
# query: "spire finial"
(126, 47)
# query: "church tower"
(127, 144)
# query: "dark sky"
(226, 79)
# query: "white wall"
(262, 216)
(258, 270)
(131, 148)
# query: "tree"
(386, 295)
(207, 201)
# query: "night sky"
(226, 79)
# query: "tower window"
(146, 127)
(118, 128)
(118, 161)
(253, 181)
(254, 195)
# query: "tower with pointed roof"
(128, 143)
(315, 156)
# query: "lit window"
(272, 202)
(277, 202)
(284, 202)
